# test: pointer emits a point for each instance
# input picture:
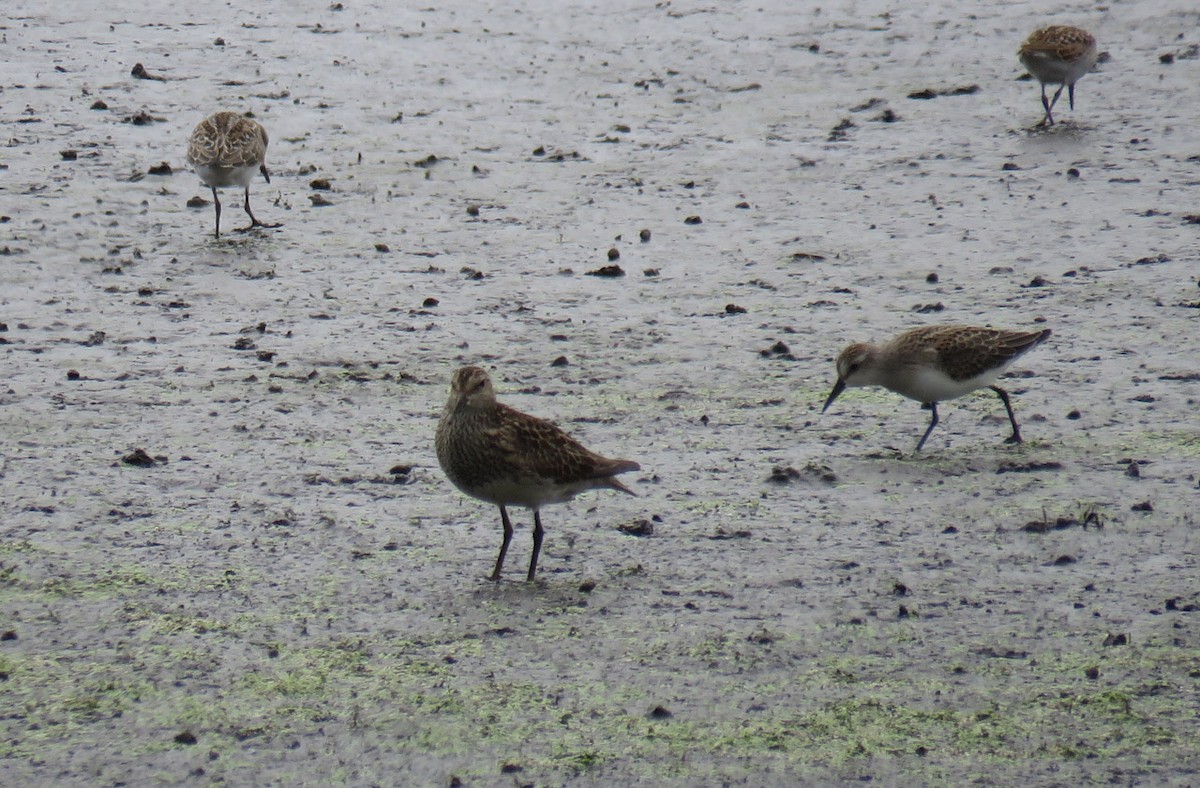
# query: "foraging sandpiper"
(505, 457)
(936, 363)
(227, 149)
(1058, 55)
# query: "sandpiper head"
(849, 363)
(471, 388)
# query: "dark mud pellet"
(430, 302)
(1144, 506)
(1092, 673)
(899, 589)
(644, 235)
(660, 713)
(161, 169)
(608, 271)
(932, 278)
(138, 458)
(1116, 639)
(511, 768)
(72, 374)
(383, 248)
(614, 253)
(1073, 173)
(186, 737)
(1009, 166)
(1133, 470)
(98, 104)
(650, 272)
(693, 220)
(69, 155)
(1074, 415)
(1064, 560)
(734, 309)
(8, 635)
(1167, 58)
(561, 361)
(472, 210)
(1038, 281)
(743, 205)
(587, 586)
(639, 527)
(320, 184)
(782, 475)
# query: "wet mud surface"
(227, 552)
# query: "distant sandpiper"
(936, 363)
(1058, 55)
(509, 458)
(227, 149)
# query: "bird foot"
(254, 225)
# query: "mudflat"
(227, 553)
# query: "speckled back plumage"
(226, 139)
(501, 455)
(965, 352)
(1061, 42)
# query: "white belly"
(219, 177)
(925, 384)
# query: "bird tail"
(620, 466)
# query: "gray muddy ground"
(269, 602)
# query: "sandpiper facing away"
(505, 457)
(936, 363)
(1058, 55)
(227, 149)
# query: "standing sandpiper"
(1058, 55)
(509, 458)
(936, 363)
(227, 149)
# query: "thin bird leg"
(1049, 119)
(1016, 436)
(217, 203)
(537, 545)
(932, 423)
(253, 222)
(1071, 95)
(1054, 100)
(508, 531)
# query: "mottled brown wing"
(542, 450)
(228, 140)
(965, 351)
